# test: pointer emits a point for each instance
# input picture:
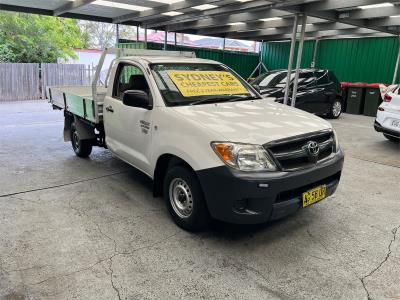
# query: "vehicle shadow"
(217, 229)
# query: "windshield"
(278, 79)
(191, 84)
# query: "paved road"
(90, 228)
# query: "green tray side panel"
(241, 62)
(352, 59)
(75, 105)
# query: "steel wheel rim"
(181, 198)
(75, 140)
(337, 108)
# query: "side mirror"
(136, 98)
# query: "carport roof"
(239, 19)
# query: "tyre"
(335, 110)
(185, 200)
(82, 148)
(392, 138)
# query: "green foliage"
(28, 38)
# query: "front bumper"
(250, 198)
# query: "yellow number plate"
(314, 195)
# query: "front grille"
(294, 153)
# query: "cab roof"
(170, 59)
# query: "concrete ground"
(90, 228)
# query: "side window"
(322, 77)
(129, 77)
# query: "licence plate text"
(314, 195)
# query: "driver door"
(128, 129)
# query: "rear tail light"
(387, 98)
(381, 109)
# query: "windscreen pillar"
(292, 46)
(137, 33)
(298, 62)
(396, 68)
(175, 39)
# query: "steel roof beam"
(335, 16)
(235, 7)
(48, 12)
(384, 22)
(226, 19)
(321, 34)
(370, 13)
(71, 5)
(286, 30)
(250, 26)
(337, 4)
(151, 13)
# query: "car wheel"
(185, 199)
(392, 138)
(82, 148)
(335, 110)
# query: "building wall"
(354, 59)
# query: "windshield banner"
(203, 83)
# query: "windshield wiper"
(209, 100)
(243, 98)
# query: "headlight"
(336, 141)
(244, 157)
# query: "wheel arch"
(164, 162)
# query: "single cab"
(212, 145)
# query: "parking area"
(90, 228)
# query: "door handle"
(110, 109)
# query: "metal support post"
(396, 69)
(145, 37)
(298, 63)
(165, 40)
(292, 46)
(314, 60)
(117, 34)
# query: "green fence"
(243, 63)
(353, 59)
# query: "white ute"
(213, 146)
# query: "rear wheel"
(82, 148)
(392, 138)
(185, 200)
(335, 110)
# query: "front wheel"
(185, 200)
(82, 148)
(392, 138)
(335, 110)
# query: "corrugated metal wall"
(355, 60)
(275, 55)
(243, 63)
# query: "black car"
(318, 92)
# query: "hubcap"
(181, 197)
(337, 108)
(75, 140)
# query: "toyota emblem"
(312, 150)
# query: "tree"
(35, 38)
(103, 35)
